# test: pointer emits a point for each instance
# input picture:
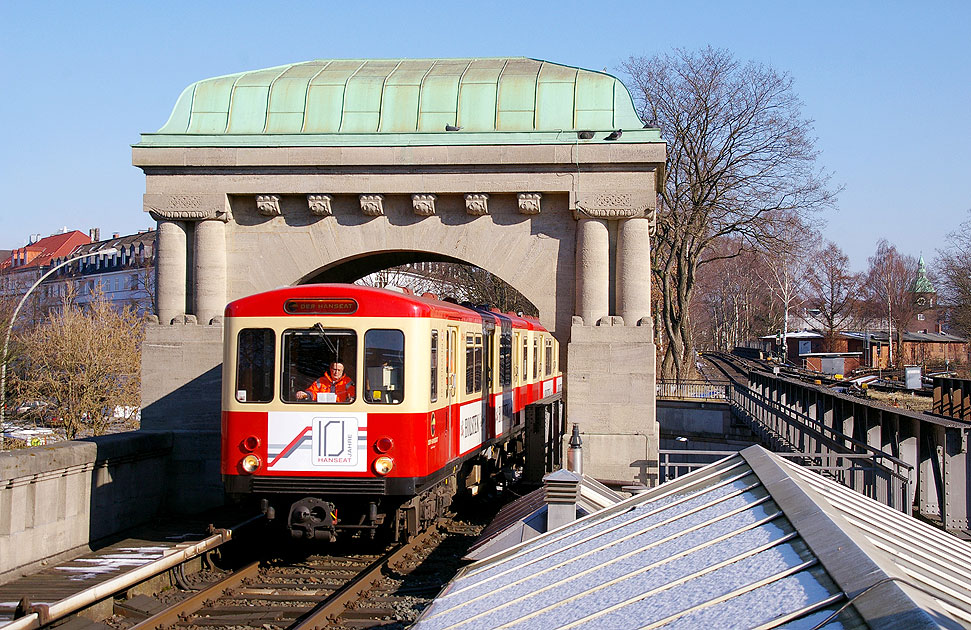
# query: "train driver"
(334, 386)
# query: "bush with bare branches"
(84, 363)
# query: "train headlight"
(251, 443)
(383, 465)
(251, 463)
(383, 444)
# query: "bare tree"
(741, 161)
(834, 291)
(954, 272)
(888, 281)
(84, 364)
(729, 308)
(784, 269)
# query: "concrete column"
(593, 270)
(170, 261)
(634, 270)
(209, 294)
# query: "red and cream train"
(436, 405)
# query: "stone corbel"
(652, 221)
(372, 205)
(424, 205)
(268, 205)
(613, 205)
(529, 203)
(320, 205)
(192, 207)
(477, 204)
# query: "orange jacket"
(343, 387)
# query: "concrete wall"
(611, 388)
(181, 380)
(59, 498)
(696, 420)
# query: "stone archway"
(262, 179)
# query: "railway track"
(355, 589)
(275, 587)
(734, 368)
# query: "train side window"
(434, 366)
(505, 359)
(535, 357)
(255, 352)
(549, 356)
(478, 363)
(308, 354)
(515, 359)
(384, 366)
(473, 363)
(525, 357)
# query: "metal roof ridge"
(854, 563)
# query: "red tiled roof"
(41, 253)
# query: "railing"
(691, 390)
(855, 464)
(857, 471)
(678, 462)
(952, 397)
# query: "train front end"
(322, 424)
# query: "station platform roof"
(752, 541)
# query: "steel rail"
(328, 610)
(43, 614)
(171, 616)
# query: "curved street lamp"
(13, 318)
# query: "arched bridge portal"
(539, 173)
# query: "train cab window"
(434, 366)
(384, 366)
(319, 365)
(473, 363)
(549, 356)
(255, 352)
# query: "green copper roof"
(390, 101)
(922, 283)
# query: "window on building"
(920, 317)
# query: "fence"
(691, 390)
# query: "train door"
(451, 379)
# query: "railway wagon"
(354, 409)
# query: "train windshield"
(319, 365)
(255, 351)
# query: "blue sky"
(887, 83)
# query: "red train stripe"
(288, 447)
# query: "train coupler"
(312, 519)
